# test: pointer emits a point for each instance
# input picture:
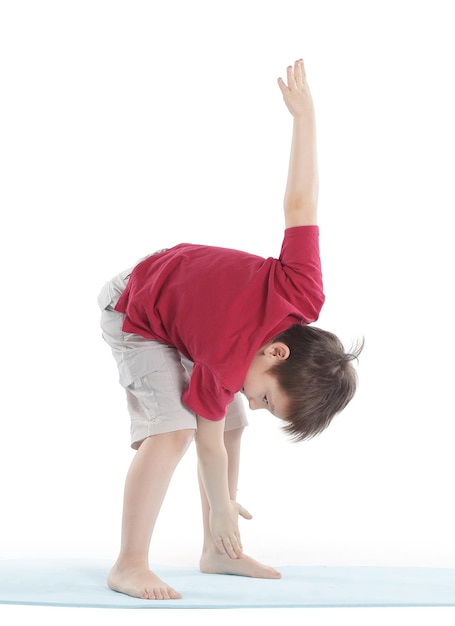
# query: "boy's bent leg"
(146, 484)
(212, 561)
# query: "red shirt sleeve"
(205, 395)
(301, 276)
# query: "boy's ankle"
(131, 562)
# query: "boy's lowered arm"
(302, 188)
(213, 470)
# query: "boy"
(190, 328)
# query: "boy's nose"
(252, 404)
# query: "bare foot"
(216, 563)
(140, 583)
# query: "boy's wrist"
(221, 508)
(304, 118)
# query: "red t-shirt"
(218, 306)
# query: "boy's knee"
(234, 435)
(183, 438)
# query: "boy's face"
(260, 387)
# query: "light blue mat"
(82, 583)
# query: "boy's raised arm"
(301, 195)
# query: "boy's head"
(303, 376)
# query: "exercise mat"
(79, 582)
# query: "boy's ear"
(278, 351)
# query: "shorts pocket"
(145, 398)
(140, 362)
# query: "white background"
(130, 126)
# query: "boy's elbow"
(300, 213)
(209, 438)
(301, 205)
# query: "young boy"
(192, 326)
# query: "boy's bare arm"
(301, 196)
(213, 467)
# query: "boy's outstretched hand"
(296, 93)
(301, 194)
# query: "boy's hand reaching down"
(225, 529)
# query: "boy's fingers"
(282, 86)
(299, 70)
(236, 550)
(244, 513)
(294, 73)
(233, 549)
(291, 78)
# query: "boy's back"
(218, 306)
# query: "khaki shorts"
(153, 374)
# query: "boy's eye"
(265, 400)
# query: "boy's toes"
(157, 593)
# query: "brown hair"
(318, 377)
